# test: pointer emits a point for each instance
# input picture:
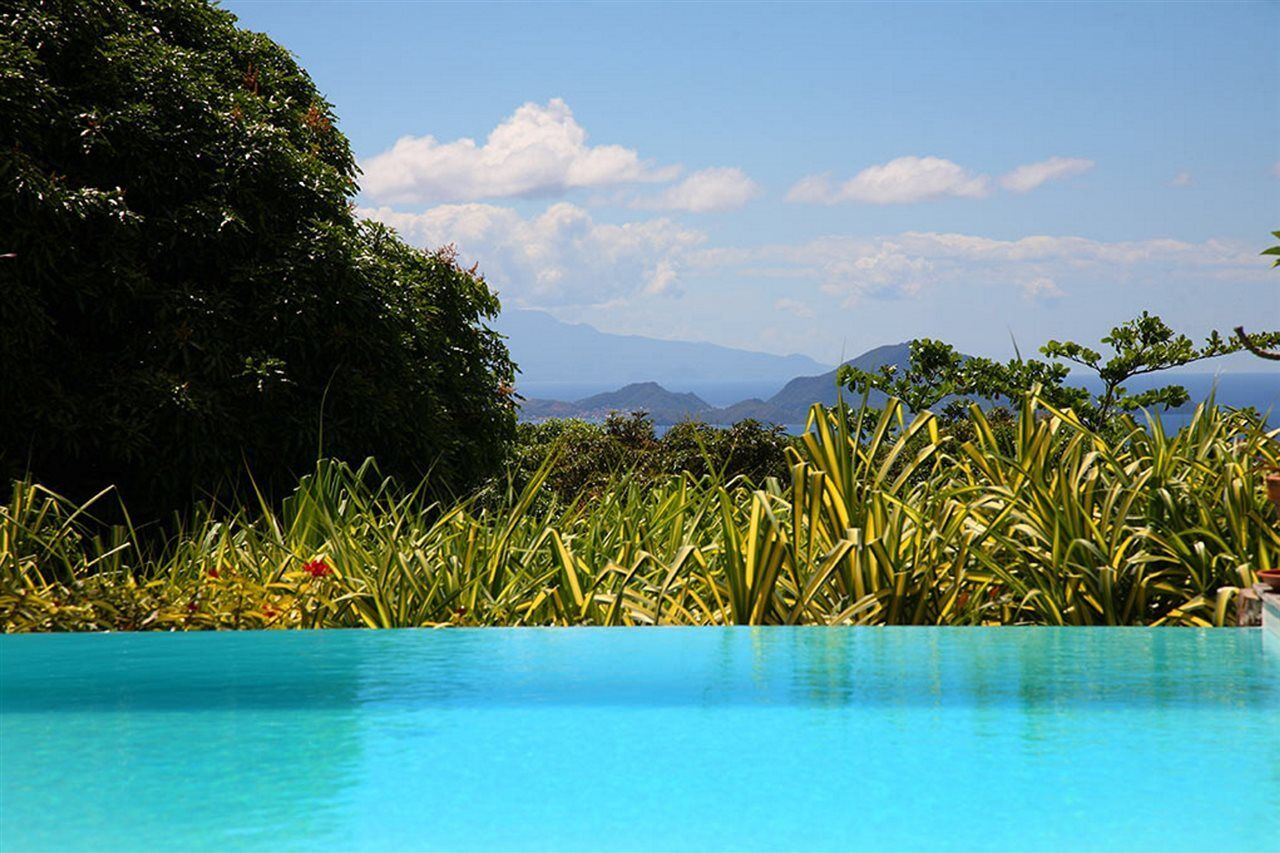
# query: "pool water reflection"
(670, 738)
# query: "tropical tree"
(1245, 339)
(938, 373)
(187, 292)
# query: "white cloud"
(853, 268)
(564, 257)
(912, 179)
(538, 150)
(1079, 251)
(1026, 178)
(793, 306)
(1182, 179)
(900, 181)
(704, 191)
(882, 271)
(559, 257)
(1041, 288)
(662, 279)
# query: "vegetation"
(1052, 523)
(1256, 347)
(187, 293)
(583, 458)
(940, 375)
(189, 296)
(1274, 250)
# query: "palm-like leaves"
(884, 520)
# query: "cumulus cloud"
(793, 306)
(1041, 288)
(900, 181)
(854, 268)
(565, 257)
(912, 179)
(538, 150)
(1079, 251)
(1026, 178)
(704, 191)
(883, 271)
(1182, 179)
(559, 257)
(663, 278)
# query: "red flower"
(213, 573)
(317, 568)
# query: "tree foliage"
(584, 456)
(187, 292)
(1246, 340)
(1274, 250)
(938, 374)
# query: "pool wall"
(1271, 613)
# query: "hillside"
(549, 351)
(665, 407)
(790, 405)
(803, 391)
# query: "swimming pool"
(668, 738)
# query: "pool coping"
(1270, 612)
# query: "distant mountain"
(803, 391)
(549, 351)
(665, 407)
(788, 406)
(791, 404)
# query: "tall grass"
(883, 520)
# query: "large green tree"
(185, 291)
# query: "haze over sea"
(1239, 390)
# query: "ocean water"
(1259, 390)
(642, 739)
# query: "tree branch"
(1254, 348)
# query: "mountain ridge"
(549, 351)
(789, 405)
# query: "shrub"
(187, 293)
(747, 449)
(584, 456)
(1050, 523)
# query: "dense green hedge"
(187, 294)
(584, 456)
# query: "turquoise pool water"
(642, 739)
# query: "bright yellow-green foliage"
(1044, 523)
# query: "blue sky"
(822, 178)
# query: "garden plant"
(1041, 521)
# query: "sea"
(1260, 391)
